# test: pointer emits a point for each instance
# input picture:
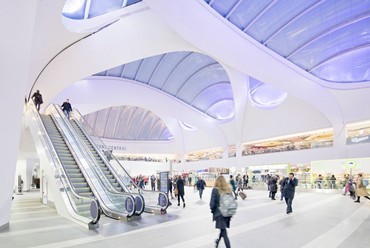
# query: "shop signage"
(114, 148)
(356, 140)
(214, 170)
(350, 164)
(163, 181)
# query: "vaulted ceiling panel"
(183, 75)
(316, 35)
(128, 123)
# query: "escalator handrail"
(81, 145)
(113, 157)
(106, 162)
(117, 161)
(57, 163)
(91, 156)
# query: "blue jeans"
(200, 193)
(67, 113)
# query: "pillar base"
(4, 227)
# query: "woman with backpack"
(221, 187)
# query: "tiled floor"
(319, 220)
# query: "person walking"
(221, 187)
(180, 190)
(281, 187)
(239, 183)
(201, 184)
(273, 187)
(232, 182)
(361, 189)
(169, 188)
(67, 108)
(37, 99)
(152, 182)
(289, 190)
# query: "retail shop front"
(333, 174)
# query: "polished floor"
(318, 220)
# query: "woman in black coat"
(181, 191)
(221, 186)
(273, 187)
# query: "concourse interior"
(108, 103)
(318, 220)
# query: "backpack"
(365, 182)
(227, 205)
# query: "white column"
(16, 25)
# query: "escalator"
(155, 201)
(80, 171)
(72, 170)
(107, 172)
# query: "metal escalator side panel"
(108, 200)
(150, 197)
(48, 155)
(107, 169)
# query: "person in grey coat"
(221, 187)
(289, 190)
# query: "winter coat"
(289, 187)
(37, 98)
(273, 185)
(66, 106)
(232, 182)
(281, 184)
(361, 189)
(180, 186)
(221, 221)
(201, 184)
(240, 182)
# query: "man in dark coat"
(200, 186)
(289, 189)
(37, 98)
(67, 108)
(181, 191)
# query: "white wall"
(16, 25)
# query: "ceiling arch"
(193, 78)
(128, 123)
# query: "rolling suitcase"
(242, 195)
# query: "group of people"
(38, 100)
(287, 188)
(320, 182)
(221, 188)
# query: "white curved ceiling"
(128, 123)
(166, 26)
(194, 78)
(328, 38)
